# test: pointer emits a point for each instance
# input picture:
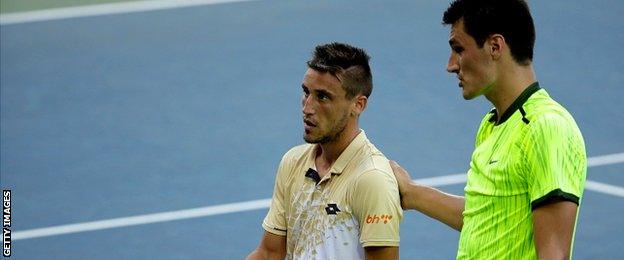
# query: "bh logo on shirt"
(374, 219)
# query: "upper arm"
(556, 163)
(553, 229)
(377, 207)
(271, 247)
(275, 220)
(556, 169)
(381, 252)
(273, 243)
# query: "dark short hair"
(347, 63)
(510, 18)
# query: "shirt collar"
(520, 100)
(345, 157)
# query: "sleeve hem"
(394, 243)
(558, 193)
(274, 230)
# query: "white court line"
(103, 9)
(604, 188)
(142, 219)
(605, 159)
(264, 203)
(443, 180)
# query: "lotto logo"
(375, 219)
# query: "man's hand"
(444, 207)
(404, 180)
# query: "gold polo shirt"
(354, 206)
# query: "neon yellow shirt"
(536, 152)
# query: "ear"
(359, 105)
(497, 45)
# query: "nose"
(453, 65)
(306, 103)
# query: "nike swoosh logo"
(493, 161)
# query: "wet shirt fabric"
(355, 205)
(534, 153)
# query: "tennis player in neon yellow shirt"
(528, 169)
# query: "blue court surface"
(134, 114)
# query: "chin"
(310, 139)
(467, 95)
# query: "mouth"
(308, 125)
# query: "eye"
(322, 96)
(457, 49)
(306, 93)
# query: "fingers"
(394, 164)
(399, 172)
(403, 179)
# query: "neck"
(513, 80)
(329, 152)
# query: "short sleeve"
(556, 163)
(377, 206)
(275, 220)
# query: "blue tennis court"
(125, 115)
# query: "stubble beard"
(333, 135)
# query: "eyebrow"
(321, 91)
(325, 92)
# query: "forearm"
(271, 247)
(436, 204)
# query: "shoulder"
(293, 158)
(550, 123)
(370, 167)
(375, 188)
(369, 163)
(551, 119)
(372, 160)
(376, 178)
(542, 109)
(553, 130)
(375, 172)
(546, 114)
